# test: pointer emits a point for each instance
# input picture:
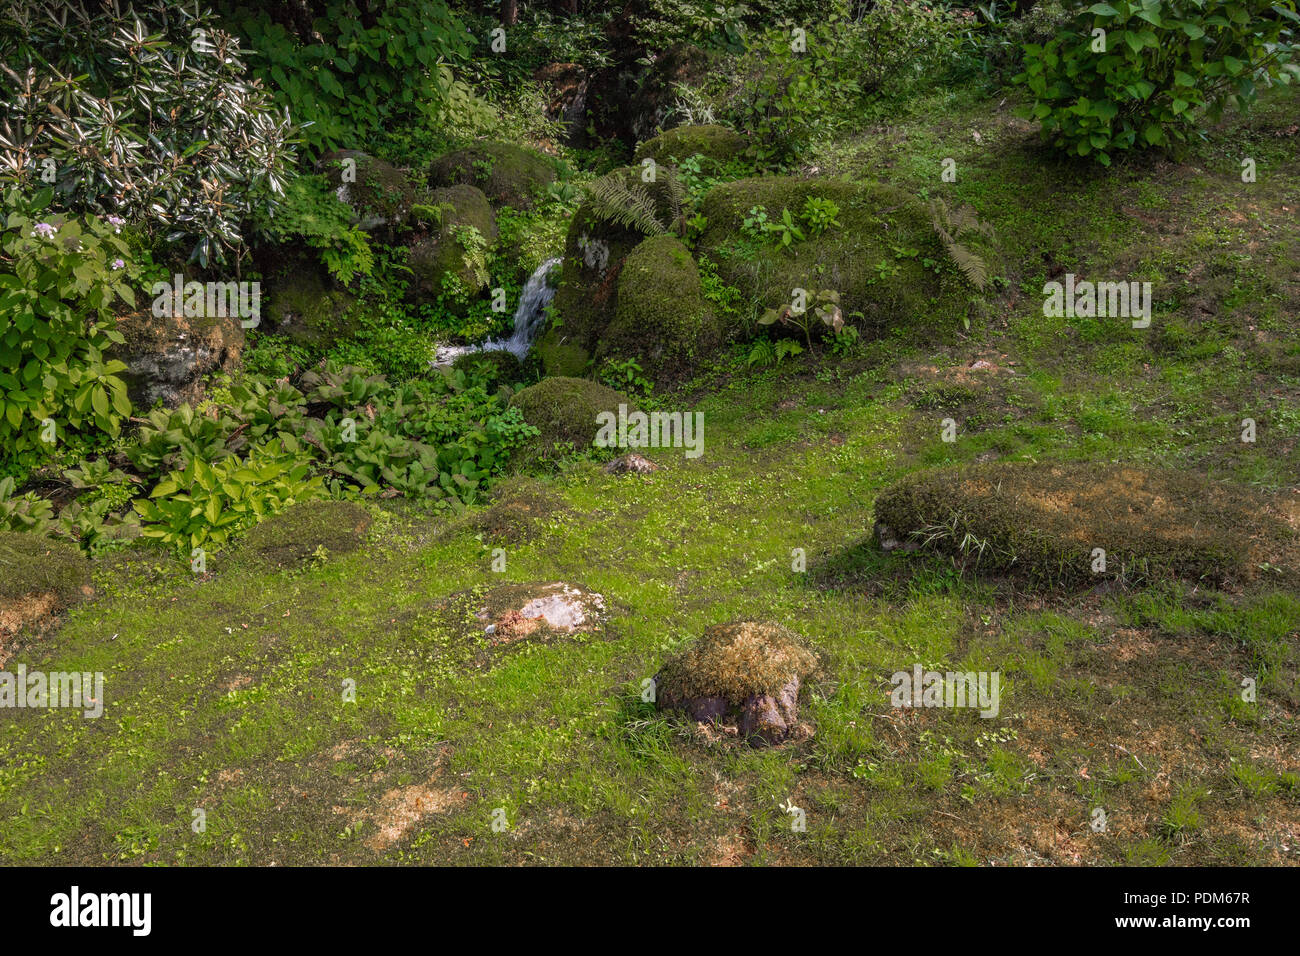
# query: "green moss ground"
(225, 692)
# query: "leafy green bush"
(172, 439)
(992, 36)
(206, 503)
(1140, 73)
(58, 278)
(262, 444)
(26, 512)
(141, 111)
(440, 440)
(362, 68)
(800, 81)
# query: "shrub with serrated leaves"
(59, 276)
(145, 113)
(1131, 74)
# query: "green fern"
(950, 226)
(613, 199)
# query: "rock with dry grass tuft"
(746, 673)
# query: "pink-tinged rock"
(631, 464)
(765, 719)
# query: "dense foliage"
(142, 111)
(196, 478)
(1142, 73)
(59, 276)
(800, 81)
(361, 67)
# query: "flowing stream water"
(529, 316)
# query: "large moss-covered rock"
(708, 140)
(1045, 522)
(444, 261)
(308, 308)
(868, 259)
(168, 357)
(661, 316)
(508, 174)
(380, 195)
(564, 410)
(594, 252)
(561, 354)
(41, 578)
(304, 531)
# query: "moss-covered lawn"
(225, 692)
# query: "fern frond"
(613, 200)
(950, 226)
(971, 265)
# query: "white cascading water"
(530, 314)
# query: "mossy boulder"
(380, 196)
(709, 140)
(509, 175)
(444, 262)
(503, 367)
(745, 675)
(661, 317)
(564, 410)
(42, 577)
(594, 253)
(561, 354)
(874, 259)
(1044, 522)
(520, 509)
(169, 357)
(305, 531)
(308, 308)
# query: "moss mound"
(1042, 521)
(594, 253)
(565, 410)
(518, 512)
(503, 368)
(858, 259)
(443, 261)
(307, 308)
(709, 140)
(661, 316)
(382, 195)
(297, 534)
(509, 175)
(735, 661)
(40, 577)
(561, 355)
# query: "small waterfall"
(530, 314)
